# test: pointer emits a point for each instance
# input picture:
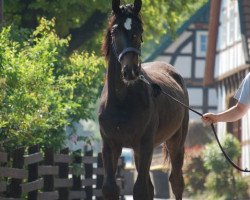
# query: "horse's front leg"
(110, 155)
(143, 188)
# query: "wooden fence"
(32, 174)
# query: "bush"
(41, 89)
(194, 171)
(223, 182)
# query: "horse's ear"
(116, 6)
(137, 6)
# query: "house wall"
(221, 127)
(245, 157)
(230, 59)
(187, 54)
(230, 54)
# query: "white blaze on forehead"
(128, 24)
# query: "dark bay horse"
(131, 114)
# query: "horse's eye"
(135, 36)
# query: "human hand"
(209, 118)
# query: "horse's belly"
(163, 135)
(122, 134)
(167, 128)
(123, 129)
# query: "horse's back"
(165, 75)
(172, 83)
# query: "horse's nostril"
(125, 72)
(137, 71)
(130, 72)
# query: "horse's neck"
(117, 90)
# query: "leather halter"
(124, 51)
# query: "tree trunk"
(88, 30)
(1, 12)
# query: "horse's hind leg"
(176, 152)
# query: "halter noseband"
(124, 51)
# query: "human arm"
(236, 112)
(232, 114)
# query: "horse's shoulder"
(161, 68)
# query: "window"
(223, 29)
(229, 25)
(231, 29)
(201, 43)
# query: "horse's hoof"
(142, 197)
(141, 193)
(110, 192)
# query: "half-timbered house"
(187, 54)
(228, 61)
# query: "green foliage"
(68, 14)
(77, 166)
(195, 175)
(165, 17)
(160, 17)
(226, 186)
(222, 181)
(42, 90)
(213, 157)
(208, 175)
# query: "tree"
(42, 90)
(42, 87)
(1, 12)
(85, 20)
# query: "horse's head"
(126, 37)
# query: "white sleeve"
(243, 93)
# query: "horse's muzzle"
(131, 73)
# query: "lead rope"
(157, 87)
